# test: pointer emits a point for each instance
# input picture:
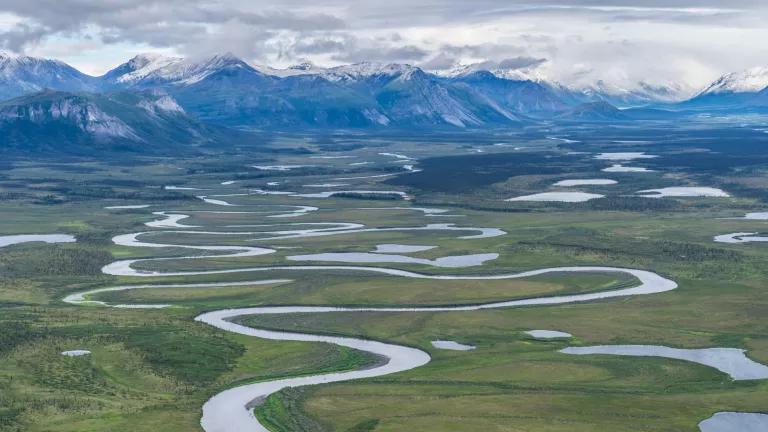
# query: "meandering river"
(231, 410)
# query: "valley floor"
(199, 235)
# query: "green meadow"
(152, 369)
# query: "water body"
(127, 207)
(124, 267)
(400, 248)
(565, 140)
(83, 298)
(226, 411)
(624, 156)
(397, 156)
(326, 185)
(230, 409)
(298, 211)
(731, 361)
(425, 210)
(569, 197)
(585, 182)
(329, 194)
(452, 345)
(684, 191)
(315, 227)
(228, 182)
(184, 188)
(278, 167)
(30, 238)
(169, 220)
(75, 353)
(457, 261)
(270, 192)
(548, 334)
(366, 176)
(215, 201)
(483, 232)
(735, 422)
(618, 168)
(755, 216)
(740, 237)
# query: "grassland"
(153, 369)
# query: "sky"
(577, 42)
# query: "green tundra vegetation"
(152, 369)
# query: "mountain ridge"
(54, 122)
(226, 90)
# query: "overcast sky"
(574, 41)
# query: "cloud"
(521, 62)
(21, 35)
(382, 53)
(621, 40)
(439, 62)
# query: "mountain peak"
(305, 66)
(158, 69)
(144, 59)
(361, 70)
(222, 59)
(747, 81)
(493, 68)
(7, 55)
(139, 67)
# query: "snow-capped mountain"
(638, 94)
(227, 90)
(20, 75)
(305, 68)
(747, 81)
(747, 89)
(151, 71)
(366, 70)
(137, 69)
(516, 74)
(516, 96)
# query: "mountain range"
(150, 93)
(145, 122)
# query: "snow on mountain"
(21, 75)
(640, 93)
(363, 70)
(747, 81)
(227, 90)
(306, 68)
(138, 68)
(152, 70)
(519, 74)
